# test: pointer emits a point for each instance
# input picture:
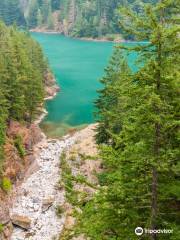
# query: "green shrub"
(6, 184)
(19, 146)
(59, 210)
(1, 159)
(1, 227)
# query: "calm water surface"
(78, 66)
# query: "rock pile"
(34, 211)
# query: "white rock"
(39, 186)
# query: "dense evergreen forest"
(93, 18)
(79, 18)
(138, 116)
(22, 68)
(90, 18)
(137, 111)
(11, 12)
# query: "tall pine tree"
(140, 182)
(22, 71)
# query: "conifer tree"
(10, 12)
(50, 22)
(3, 118)
(32, 17)
(141, 168)
(46, 10)
(39, 18)
(107, 104)
(22, 71)
(55, 4)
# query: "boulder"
(21, 221)
(47, 203)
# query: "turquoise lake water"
(78, 66)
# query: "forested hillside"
(77, 18)
(22, 69)
(11, 12)
(91, 18)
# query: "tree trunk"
(154, 200)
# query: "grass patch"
(87, 157)
(6, 184)
(18, 143)
(1, 228)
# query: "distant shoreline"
(44, 31)
(89, 39)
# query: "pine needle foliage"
(138, 126)
(22, 69)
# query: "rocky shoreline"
(101, 39)
(51, 90)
